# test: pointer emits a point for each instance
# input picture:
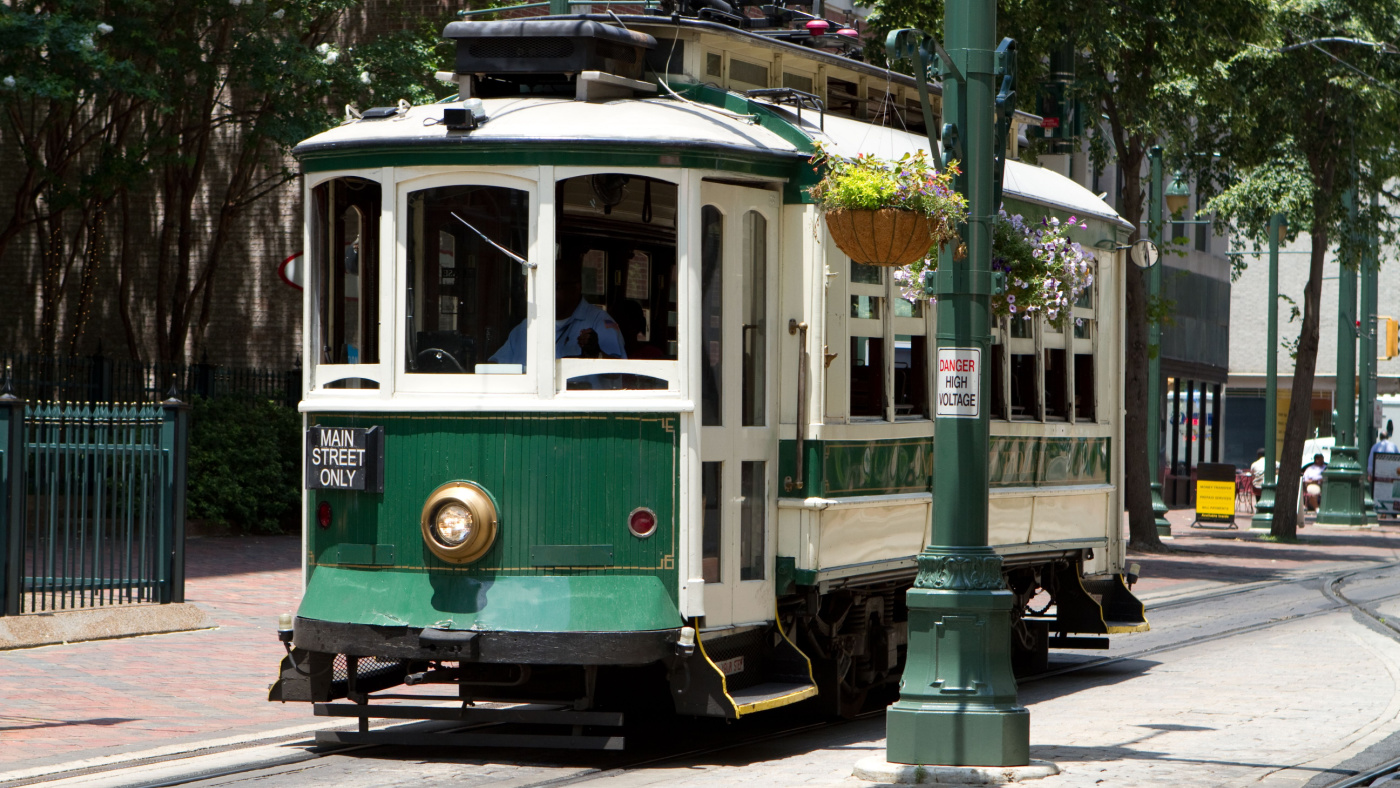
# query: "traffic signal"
(1387, 338)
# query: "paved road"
(1271, 682)
(103, 704)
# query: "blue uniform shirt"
(566, 333)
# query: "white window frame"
(317, 376)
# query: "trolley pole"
(1264, 513)
(957, 704)
(1154, 360)
(1342, 501)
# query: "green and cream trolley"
(595, 408)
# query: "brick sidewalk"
(60, 704)
(64, 703)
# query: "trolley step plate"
(478, 728)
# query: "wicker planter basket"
(889, 236)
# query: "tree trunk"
(1285, 522)
(1137, 477)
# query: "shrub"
(244, 463)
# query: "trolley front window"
(468, 294)
(345, 264)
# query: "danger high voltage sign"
(959, 381)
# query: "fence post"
(12, 498)
(174, 441)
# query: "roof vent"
(530, 56)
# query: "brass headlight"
(459, 522)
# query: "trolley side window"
(617, 279)
(345, 258)
(888, 364)
(467, 294)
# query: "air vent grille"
(510, 48)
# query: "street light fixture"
(1178, 194)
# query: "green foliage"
(193, 104)
(871, 183)
(244, 464)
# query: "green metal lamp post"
(1366, 426)
(1343, 503)
(957, 704)
(1154, 360)
(1264, 511)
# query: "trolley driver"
(581, 330)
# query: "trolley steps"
(734, 672)
(1097, 607)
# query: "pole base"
(1343, 492)
(877, 770)
(1263, 519)
(951, 735)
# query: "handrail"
(789, 484)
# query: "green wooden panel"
(557, 479)
(571, 555)
(838, 469)
(402, 598)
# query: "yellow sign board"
(1215, 501)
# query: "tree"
(175, 116)
(1304, 115)
(1130, 59)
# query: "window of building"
(345, 269)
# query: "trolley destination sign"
(345, 458)
(959, 381)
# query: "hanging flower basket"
(888, 212)
(889, 236)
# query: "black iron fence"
(100, 378)
(92, 504)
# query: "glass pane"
(345, 255)
(910, 376)
(1020, 327)
(903, 307)
(1025, 390)
(622, 231)
(1083, 329)
(866, 307)
(712, 315)
(712, 535)
(1086, 298)
(1084, 386)
(867, 377)
(863, 274)
(1056, 384)
(753, 514)
(467, 299)
(755, 319)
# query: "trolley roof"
(670, 124)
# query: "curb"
(877, 769)
(74, 626)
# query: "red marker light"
(323, 515)
(642, 522)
